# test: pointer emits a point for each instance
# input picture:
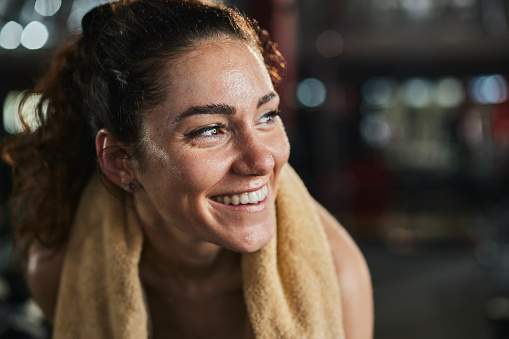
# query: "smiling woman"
(195, 225)
(227, 143)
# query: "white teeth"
(235, 200)
(244, 198)
(254, 197)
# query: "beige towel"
(290, 286)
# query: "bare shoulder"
(353, 278)
(43, 272)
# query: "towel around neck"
(290, 285)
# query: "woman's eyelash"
(266, 118)
(205, 129)
(272, 114)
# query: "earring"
(129, 186)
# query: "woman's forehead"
(218, 54)
(217, 71)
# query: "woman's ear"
(114, 160)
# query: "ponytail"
(52, 164)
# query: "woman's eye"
(269, 116)
(207, 131)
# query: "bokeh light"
(375, 131)
(35, 35)
(417, 8)
(489, 89)
(74, 20)
(10, 35)
(47, 7)
(379, 91)
(311, 92)
(416, 93)
(329, 44)
(449, 92)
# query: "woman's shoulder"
(353, 277)
(44, 268)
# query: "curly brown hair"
(106, 77)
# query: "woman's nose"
(254, 157)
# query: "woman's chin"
(252, 241)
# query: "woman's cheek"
(282, 149)
(201, 172)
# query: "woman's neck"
(171, 269)
(174, 253)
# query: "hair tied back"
(94, 22)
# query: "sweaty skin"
(215, 138)
(214, 135)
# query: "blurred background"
(398, 116)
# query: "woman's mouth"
(243, 198)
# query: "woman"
(196, 226)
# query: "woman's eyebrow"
(207, 109)
(266, 98)
(220, 109)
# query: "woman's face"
(214, 149)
